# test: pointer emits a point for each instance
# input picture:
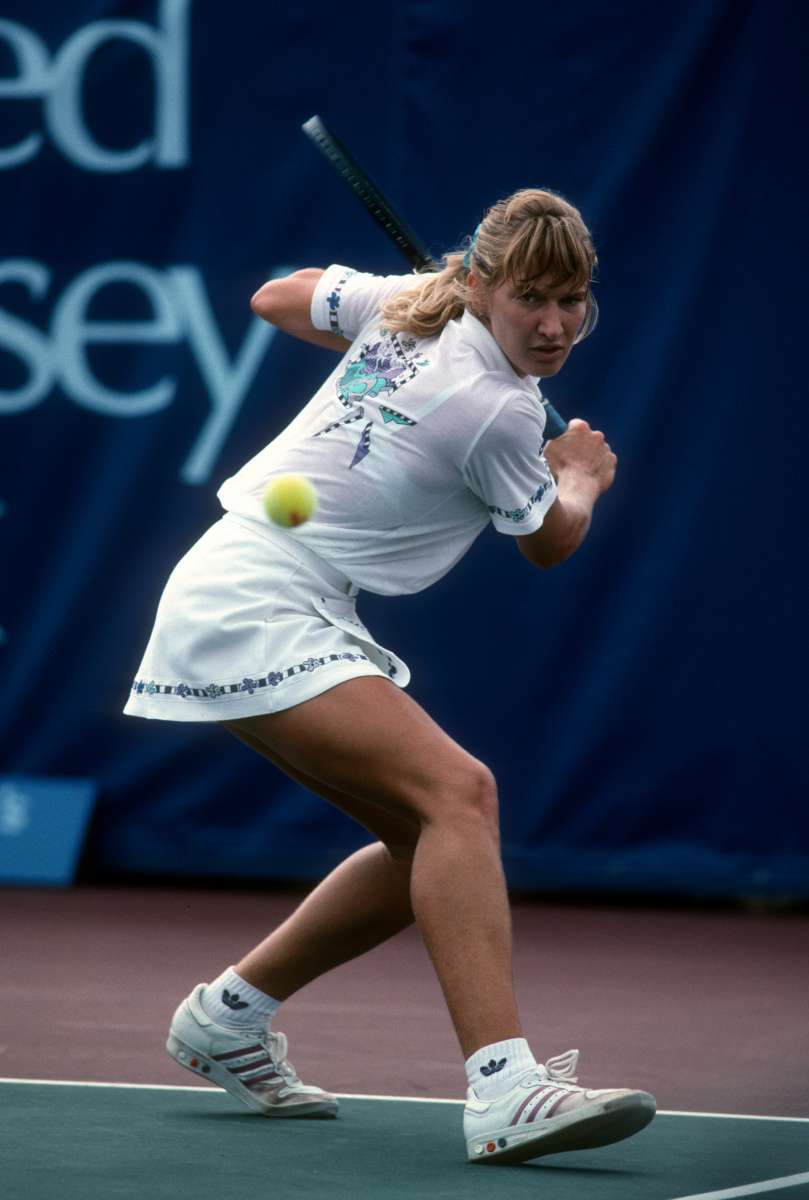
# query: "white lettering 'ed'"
(59, 83)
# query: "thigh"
(398, 834)
(369, 741)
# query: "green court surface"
(104, 1142)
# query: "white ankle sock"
(495, 1069)
(236, 1004)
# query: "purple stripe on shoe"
(525, 1103)
(263, 1078)
(545, 1100)
(251, 1066)
(556, 1104)
(238, 1053)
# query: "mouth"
(547, 353)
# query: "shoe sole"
(597, 1125)
(208, 1068)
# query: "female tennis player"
(429, 428)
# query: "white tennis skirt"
(252, 622)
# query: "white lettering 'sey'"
(180, 309)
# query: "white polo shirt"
(414, 444)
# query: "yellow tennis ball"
(290, 500)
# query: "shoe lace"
(277, 1045)
(563, 1066)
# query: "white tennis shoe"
(545, 1114)
(251, 1064)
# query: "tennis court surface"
(82, 1142)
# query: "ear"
(477, 289)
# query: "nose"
(550, 321)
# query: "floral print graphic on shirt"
(380, 369)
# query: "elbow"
(546, 561)
(262, 303)
(547, 564)
(560, 536)
(548, 553)
(540, 556)
(286, 302)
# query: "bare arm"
(287, 304)
(584, 467)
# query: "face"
(534, 329)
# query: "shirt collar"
(476, 334)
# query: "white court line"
(752, 1189)
(672, 1112)
(157, 1087)
(214, 1090)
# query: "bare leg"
(367, 746)
(365, 901)
(362, 903)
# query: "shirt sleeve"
(346, 301)
(507, 469)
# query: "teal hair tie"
(467, 258)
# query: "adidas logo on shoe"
(493, 1067)
(233, 1001)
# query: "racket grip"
(555, 425)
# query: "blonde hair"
(530, 234)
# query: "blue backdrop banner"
(641, 705)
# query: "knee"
(471, 798)
(482, 795)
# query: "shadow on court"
(101, 1142)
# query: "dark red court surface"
(707, 1010)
